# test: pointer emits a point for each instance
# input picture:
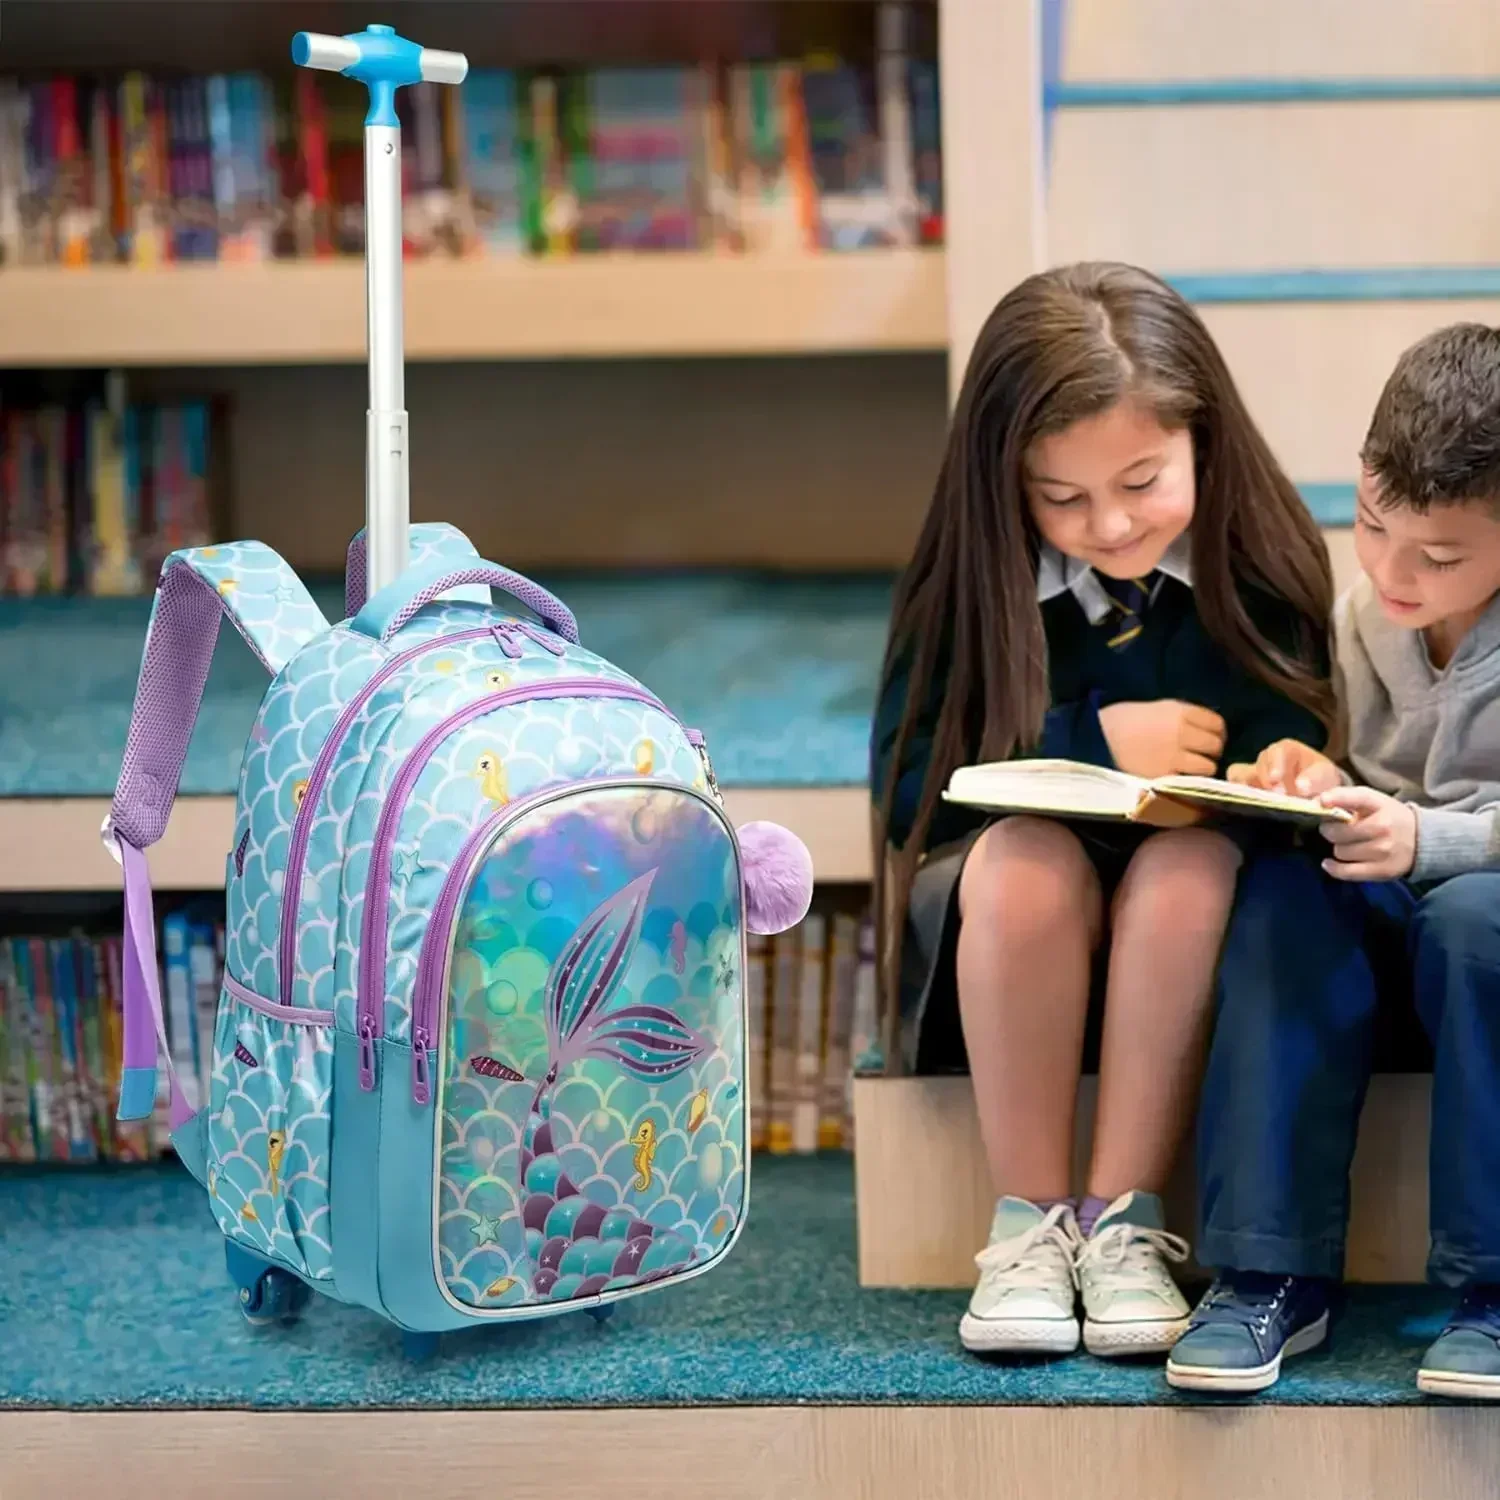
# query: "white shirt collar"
(1057, 574)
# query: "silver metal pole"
(387, 466)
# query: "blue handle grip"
(379, 59)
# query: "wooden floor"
(803, 1453)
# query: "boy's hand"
(1289, 766)
(1164, 738)
(1381, 842)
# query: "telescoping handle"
(383, 62)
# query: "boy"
(1409, 893)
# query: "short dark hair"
(1435, 435)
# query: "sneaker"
(1246, 1324)
(1025, 1302)
(1465, 1359)
(1131, 1304)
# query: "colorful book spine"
(757, 996)
(807, 1098)
(843, 964)
(492, 153)
(786, 989)
(13, 111)
(777, 194)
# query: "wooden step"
(924, 1197)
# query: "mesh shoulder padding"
(269, 606)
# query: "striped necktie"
(1129, 596)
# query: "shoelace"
(1251, 1299)
(1129, 1247)
(1479, 1310)
(1030, 1259)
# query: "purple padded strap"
(546, 604)
(174, 668)
(354, 577)
(145, 1024)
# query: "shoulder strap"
(426, 540)
(271, 608)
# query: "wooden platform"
(925, 1199)
(766, 1453)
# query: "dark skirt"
(932, 1039)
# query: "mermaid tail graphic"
(578, 1247)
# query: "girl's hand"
(1164, 738)
(1289, 766)
(1381, 842)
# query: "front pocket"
(269, 1129)
(585, 992)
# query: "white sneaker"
(1131, 1304)
(1026, 1299)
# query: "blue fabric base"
(780, 674)
(113, 1293)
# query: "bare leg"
(1031, 914)
(1169, 917)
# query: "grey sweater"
(1429, 737)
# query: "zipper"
(437, 943)
(696, 740)
(291, 897)
(291, 894)
(372, 938)
(259, 1003)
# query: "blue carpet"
(780, 674)
(113, 1294)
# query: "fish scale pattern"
(479, 789)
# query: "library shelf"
(53, 844)
(641, 305)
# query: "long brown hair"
(1066, 344)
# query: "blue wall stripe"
(1330, 504)
(1054, 22)
(1371, 284)
(1152, 93)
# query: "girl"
(1113, 570)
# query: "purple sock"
(1088, 1213)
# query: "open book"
(1070, 789)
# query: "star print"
(486, 1231)
(404, 864)
(285, 594)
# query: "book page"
(1067, 788)
(1248, 799)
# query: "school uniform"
(1105, 644)
(1313, 967)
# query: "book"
(1065, 788)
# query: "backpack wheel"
(266, 1294)
(602, 1314)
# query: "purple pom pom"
(778, 877)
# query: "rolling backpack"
(480, 1047)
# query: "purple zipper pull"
(421, 1081)
(505, 636)
(543, 638)
(366, 1054)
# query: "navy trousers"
(1308, 964)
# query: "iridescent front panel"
(593, 1128)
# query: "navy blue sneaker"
(1246, 1324)
(1464, 1361)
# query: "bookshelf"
(646, 305)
